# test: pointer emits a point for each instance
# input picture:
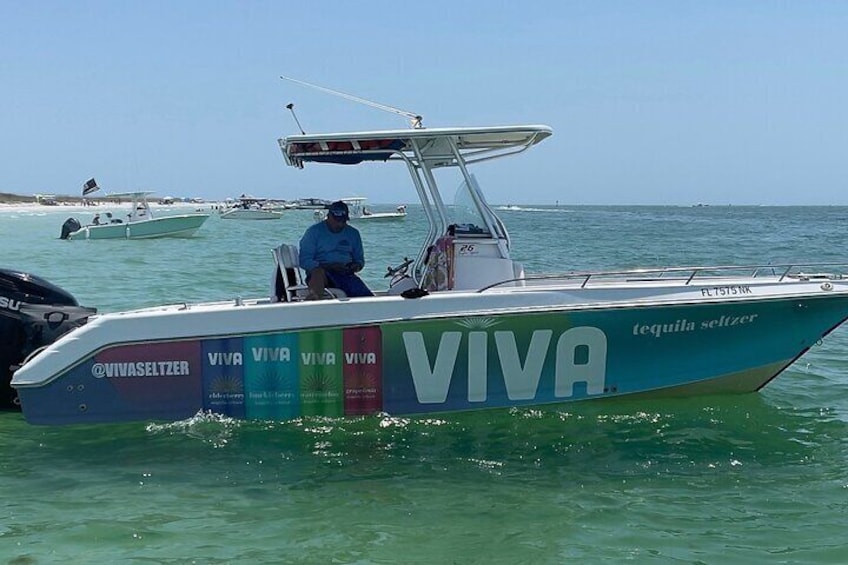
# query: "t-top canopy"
(432, 144)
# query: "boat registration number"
(729, 290)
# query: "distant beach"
(40, 199)
(36, 202)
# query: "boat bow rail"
(685, 276)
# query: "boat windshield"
(465, 215)
(471, 215)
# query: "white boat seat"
(288, 283)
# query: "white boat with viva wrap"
(461, 326)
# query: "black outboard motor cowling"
(70, 226)
(33, 313)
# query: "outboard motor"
(70, 226)
(33, 313)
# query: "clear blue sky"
(675, 102)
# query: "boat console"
(468, 259)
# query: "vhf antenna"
(415, 120)
(290, 106)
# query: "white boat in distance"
(460, 327)
(250, 208)
(310, 204)
(359, 211)
(139, 223)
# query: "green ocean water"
(759, 478)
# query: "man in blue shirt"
(331, 254)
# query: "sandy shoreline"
(23, 203)
(8, 198)
(11, 199)
(106, 206)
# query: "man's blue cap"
(338, 210)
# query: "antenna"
(415, 120)
(290, 106)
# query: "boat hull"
(384, 216)
(183, 225)
(410, 359)
(240, 214)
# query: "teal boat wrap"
(439, 365)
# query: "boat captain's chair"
(288, 283)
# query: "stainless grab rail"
(788, 270)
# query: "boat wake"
(532, 209)
(209, 427)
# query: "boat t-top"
(460, 326)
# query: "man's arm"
(308, 248)
(358, 252)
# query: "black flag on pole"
(89, 187)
